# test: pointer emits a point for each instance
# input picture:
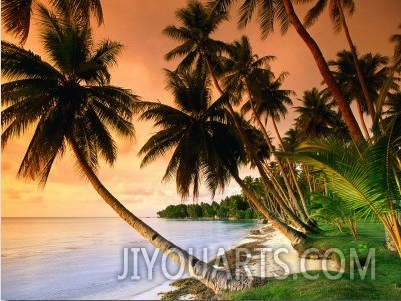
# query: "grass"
(382, 279)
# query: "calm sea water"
(81, 258)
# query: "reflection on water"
(80, 258)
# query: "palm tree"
(317, 116)
(245, 72)
(282, 10)
(273, 103)
(374, 73)
(197, 46)
(204, 145)
(337, 10)
(17, 14)
(72, 105)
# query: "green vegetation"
(385, 285)
(232, 207)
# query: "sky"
(138, 25)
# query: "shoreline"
(268, 253)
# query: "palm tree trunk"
(280, 166)
(213, 278)
(299, 223)
(321, 63)
(292, 234)
(360, 113)
(305, 208)
(369, 101)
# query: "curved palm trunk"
(294, 177)
(298, 222)
(321, 63)
(213, 278)
(280, 166)
(364, 127)
(292, 234)
(371, 108)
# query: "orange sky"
(138, 25)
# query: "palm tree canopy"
(197, 24)
(17, 14)
(316, 115)
(201, 138)
(334, 6)
(268, 11)
(67, 98)
(374, 72)
(241, 68)
(271, 101)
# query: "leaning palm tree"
(203, 141)
(245, 73)
(268, 12)
(197, 25)
(374, 73)
(337, 11)
(17, 14)
(273, 102)
(71, 104)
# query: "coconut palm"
(71, 104)
(282, 11)
(17, 14)
(247, 73)
(337, 11)
(197, 47)
(316, 116)
(203, 141)
(273, 102)
(206, 57)
(374, 72)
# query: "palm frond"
(18, 63)
(361, 180)
(315, 12)
(16, 18)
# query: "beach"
(81, 258)
(268, 254)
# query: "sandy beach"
(268, 254)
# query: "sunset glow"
(138, 25)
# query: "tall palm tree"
(72, 105)
(337, 11)
(316, 116)
(282, 10)
(197, 47)
(374, 73)
(247, 73)
(272, 103)
(17, 14)
(204, 145)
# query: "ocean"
(82, 258)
